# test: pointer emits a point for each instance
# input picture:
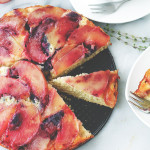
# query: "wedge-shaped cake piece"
(82, 45)
(97, 87)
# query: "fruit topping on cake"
(33, 77)
(98, 87)
(23, 125)
(62, 29)
(69, 130)
(82, 44)
(90, 36)
(13, 34)
(38, 14)
(6, 113)
(55, 103)
(68, 58)
(37, 46)
(52, 124)
(10, 51)
(59, 129)
(40, 142)
(50, 34)
(13, 87)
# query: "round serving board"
(93, 116)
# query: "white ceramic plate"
(129, 11)
(135, 76)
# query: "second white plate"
(132, 10)
(135, 76)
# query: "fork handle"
(110, 2)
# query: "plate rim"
(111, 22)
(135, 110)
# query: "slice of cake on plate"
(97, 87)
(143, 90)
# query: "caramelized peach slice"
(15, 25)
(14, 88)
(6, 49)
(37, 46)
(89, 36)
(48, 33)
(84, 82)
(33, 76)
(63, 28)
(110, 94)
(45, 12)
(40, 141)
(69, 129)
(52, 124)
(23, 126)
(63, 61)
(10, 50)
(5, 58)
(54, 105)
(6, 114)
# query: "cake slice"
(143, 90)
(97, 87)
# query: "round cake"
(39, 44)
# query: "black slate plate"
(93, 116)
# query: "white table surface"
(123, 131)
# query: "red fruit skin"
(14, 88)
(6, 113)
(14, 26)
(111, 92)
(34, 45)
(69, 130)
(56, 35)
(90, 36)
(102, 78)
(39, 142)
(46, 12)
(62, 30)
(6, 48)
(33, 76)
(85, 82)
(23, 126)
(61, 63)
(54, 105)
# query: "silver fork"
(108, 7)
(140, 103)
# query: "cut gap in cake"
(97, 87)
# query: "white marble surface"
(123, 131)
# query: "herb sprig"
(140, 43)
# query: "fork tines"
(140, 103)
